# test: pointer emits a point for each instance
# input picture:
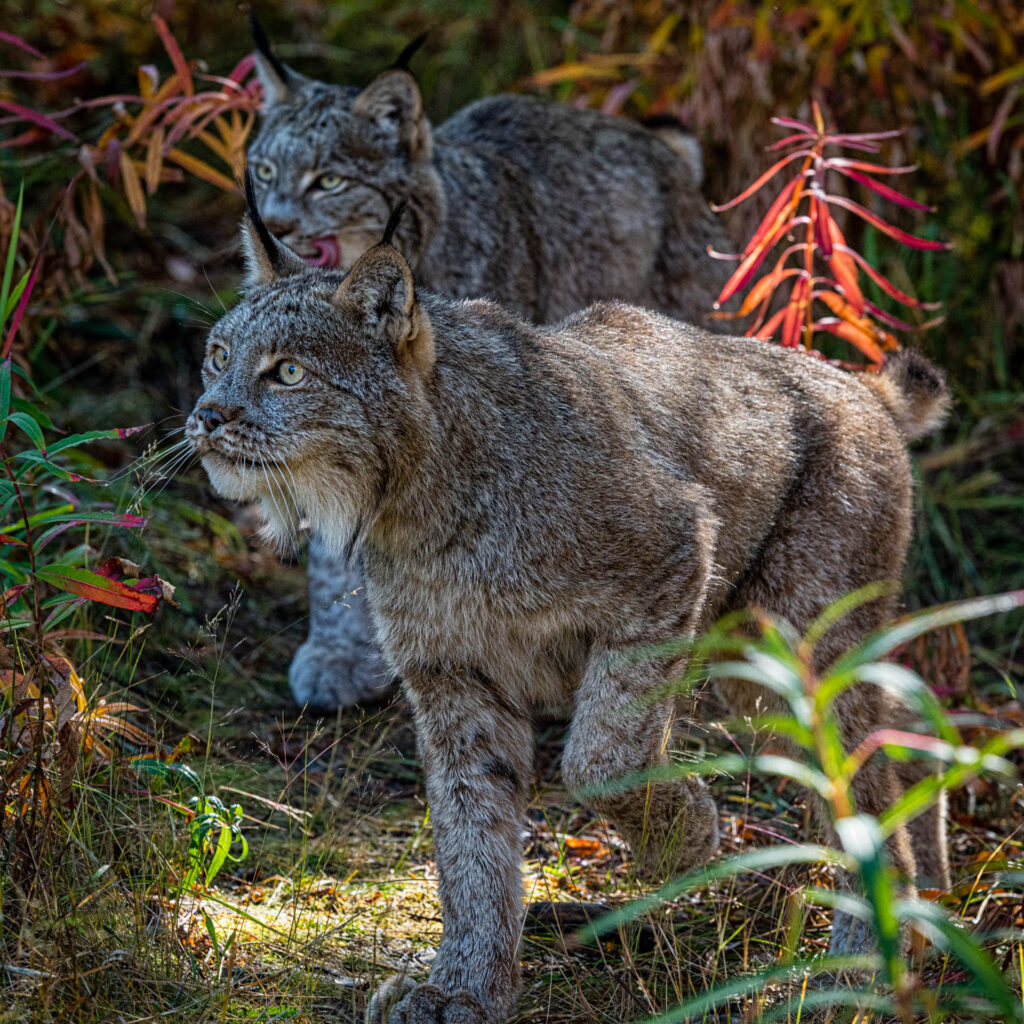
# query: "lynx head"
(311, 386)
(330, 162)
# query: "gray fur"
(542, 207)
(534, 504)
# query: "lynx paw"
(334, 677)
(680, 830)
(400, 1001)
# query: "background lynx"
(534, 504)
(540, 206)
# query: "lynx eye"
(328, 182)
(219, 358)
(290, 373)
(265, 172)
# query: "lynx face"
(330, 162)
(304, 392)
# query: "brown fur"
(534, 504)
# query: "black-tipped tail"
(922, 395)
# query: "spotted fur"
(533, 505)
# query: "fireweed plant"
(817, 266)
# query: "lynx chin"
(532, 505)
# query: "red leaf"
(844, 269)
(174, 52)
(241, 70)
(766, 332)
(792, 322)
(841, 162)
(93, 587)
(893, 232)
(884, 190)
(800, 126)
(764, 179)
(7, 37)
(39, 120)
(886, 285)
(19, 312)
(45, 76)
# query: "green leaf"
(12, 249)
(862, 839)
(29, 425)
(881, 643)
(5, 395)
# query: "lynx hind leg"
(617, 731)
(812, 561)
(340, 663)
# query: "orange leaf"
(844, 269)
(860, 337)
(154, 159)
(201, 170)
(133, 188)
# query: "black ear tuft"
(393, 221)
(267, 240)
(407, 54)
(259, 37)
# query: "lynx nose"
(279, 226)
(211, 418)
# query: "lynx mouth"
(328, 252)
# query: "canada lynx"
(535, 504)
(541, 206)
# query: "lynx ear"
(279, 81)
(393, 100)
(266, 258)
(380, 291)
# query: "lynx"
(532, 506)
(539, 206)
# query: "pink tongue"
(327, 253)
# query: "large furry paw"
(678, 832)
(338, 676)
(400, 1001)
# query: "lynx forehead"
(534, 504)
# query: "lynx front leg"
(477, 754)
(340, 663)
(616, 731)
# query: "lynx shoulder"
(535, 504)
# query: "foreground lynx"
(540, 206)
(532, 505)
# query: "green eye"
(265, 172)
(328, 182)
(219, 358)
(290, 373)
